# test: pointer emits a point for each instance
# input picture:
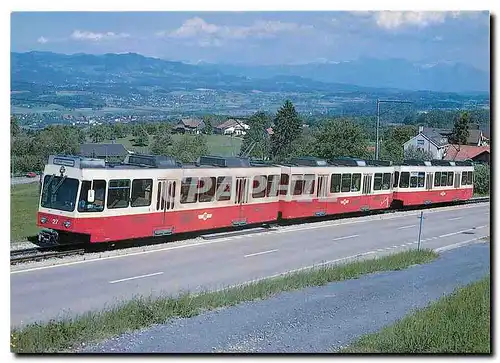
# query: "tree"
(460, 131)
(287, 128)
(256, 141)
(412, 153)
(15, 130)
(393, 140)
(209, 129)
(341, 138)
(142, 138)
(162, 144)
(189, 148)
(482, 179)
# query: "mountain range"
(362, 75)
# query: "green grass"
(141, 312)
(217, 144)
(458, 323)
(23, 209)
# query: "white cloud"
(396, 19)
(42, 40)
(86, 35)
(213, 34)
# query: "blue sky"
(261, 37)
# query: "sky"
(261, 37)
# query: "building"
(478, 154)
(232, 127)
(436, 141)
(109, 152)
(189, 125)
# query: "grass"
(23, 209)
(458, 323)
(141, 312)
(217, 144)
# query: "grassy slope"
(23, 208)
(217, 144)
(459, 323)
(64, 335)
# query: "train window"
(118, 193)
(437, 179)
(158, 197)
(206, 189)
(470, 179)
(141, 192)
(284, 180)
(224, 188)
(309, 182)
(450, 178)
(386, 181)
(377, 181)
(346, 183)
(189, 190)
(99, 196)
(272, 186)
(356, 182)
(297, 184)
(413, 180)
(464, 178)
(396, 179)
(259, 186)
(444, 178)
(421, 179)
(335, 183)
(404, 181)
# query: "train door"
(429, 181)
(241, 198)
(166, 197)
(367, 184)
(456, 182)
(322, 193)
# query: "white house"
(232, 127)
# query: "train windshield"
(59, 193)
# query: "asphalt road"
(42, 293)
(24, 180)
(312, 320)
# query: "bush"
(482, 179)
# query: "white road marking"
(136, 277)
(462, 231)
(458, 244)
(260, 253)
(413, 225)
(454, 219)
(226, 239)
(345, 237)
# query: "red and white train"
(146, 196)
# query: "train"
(91, 200)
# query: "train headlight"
(43, 220)
(67, 224)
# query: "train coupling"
(48, 236)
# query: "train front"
(57, 210)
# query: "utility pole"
(377, 146)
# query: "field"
(459, 323)
(217, 144)
(23, 208)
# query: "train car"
(93, 201)
(430, 182)
(314, 187)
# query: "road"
(42, 293)
(313, 320)
(24, 180)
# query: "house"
(109, 152)
(232, 127)
(436, 140)
(430, 140)
(479, 154)
(189, 125)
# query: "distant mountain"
(370, 72)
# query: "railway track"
(45, 252)
(42, 253)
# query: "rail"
(41, 253)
